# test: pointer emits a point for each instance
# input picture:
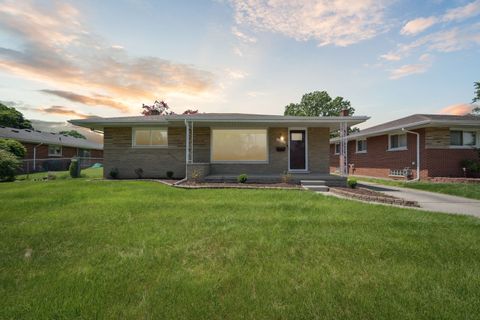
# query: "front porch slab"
(329, 179)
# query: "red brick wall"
(377, 162)
(67, 152)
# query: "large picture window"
(150, 137)
(239, 145)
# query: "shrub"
(139, 173)
(352, 183)
(74, 168)
(242, 178)
(196, 175)
(472, 166)
(114, 173)
(169, 174)
(9, 164)
(14, 147)
(286, 177)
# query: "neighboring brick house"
(386, 150)
(52, 151)
(218, 145)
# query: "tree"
(14, 147)
(161, 108)
(9, 165)
(10, 117)
(73, 133)
(317, 104)
(476, 110)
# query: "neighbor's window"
(398, 141)
(239, 145)
(54, 151)
(362, 146)
(154, 137)
(84, 153)
(337, 148)
(463, 138)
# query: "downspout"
(35, 155)
(187, 134)
(418, 152)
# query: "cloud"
(236, 74)
(55, 48)
(418, 25)
(92, 101)
(458, 14)
(391, 57)
(424, 63)
(242, 36)
(457, 109)
(328, 22)
(63, 111)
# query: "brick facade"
(437, 158)
(155, 162)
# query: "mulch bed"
(226, 185)
(372, 196)
(454, 180)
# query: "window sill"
(150, 147)
(360, 151)
(55, 155)
(398, 149)
(239, 162)
(463, 147)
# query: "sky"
(62, 60)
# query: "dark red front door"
(297, 150)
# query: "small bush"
(114, 173)
(472, 166)
(242, 178)
(352, 183)
(14, 147)
(139, 173)
(9, 164)
(196, 175)
(286, 177)
(169, 174)
(74, 168)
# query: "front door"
(297, 149)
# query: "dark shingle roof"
(35, 136)
(416, 121)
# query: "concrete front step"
(317, 188)
(313, 182)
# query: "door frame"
(306, 149)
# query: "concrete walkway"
(430, 201)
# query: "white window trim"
(306, 150)
(399, 148)
(238, 161)
(55, 154)
(335, 149)
(356, 146)
(160, 146)
(477, 138)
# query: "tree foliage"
(161, 108)
(73, 133)
(10, 117)
(9, 165)
(476, 109)
(14, 147)
(317, 104)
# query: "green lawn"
(468, 190)
(85, 249)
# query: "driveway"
(430, 201)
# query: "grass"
(80, 249)
(86, 173)
(467, 190)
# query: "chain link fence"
(56, 164)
